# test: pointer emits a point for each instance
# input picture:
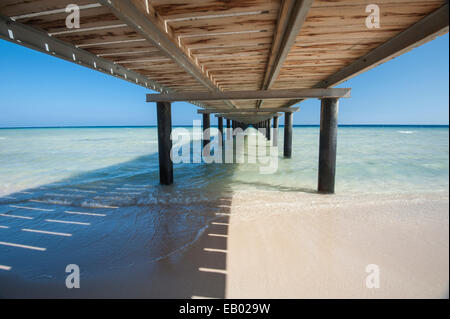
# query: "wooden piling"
(275, 131)
(164, 117)
(220, 125)
(328, 142)
(288, 134)
(206, 135)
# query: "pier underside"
(219, 46)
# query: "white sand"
(297, 245)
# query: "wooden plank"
(258, 21)
(19, 7)
(251, 95)
(170, 9)
(230, 49)
(348, 3)
(262, 37)
(89, 18)
(121, 47)
(83, 38)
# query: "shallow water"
(370, 159)
(96, 192)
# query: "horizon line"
(186, 125)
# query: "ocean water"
(93, 194)
(370, 159)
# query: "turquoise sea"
(95, 191)
(370, 159)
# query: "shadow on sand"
(280, 187)
(130, 237)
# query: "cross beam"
(251, 95)
(249, 111)
(225, 115)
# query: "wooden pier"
(246, 61)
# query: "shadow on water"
(130, 237)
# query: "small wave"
(59, 202)
(406, 132)
(97, 205)
(96, 139)
(183, 247)
(2, 138)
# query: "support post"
(164, 142)
(265, 128)
(206, 134)
(264, 124)
(229, 129)
(288, 134)
(328, 141)
(275, 131)
(220, 125)
(268, 129)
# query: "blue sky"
(40, 90)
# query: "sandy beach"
(300, 247)
(289, 245)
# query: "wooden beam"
(149, 27)
(298, 15)
(227, 115)
(433, 25)
(250, 95)
(238, 116)
(250, 120)
(291, 18)
(251, 111)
